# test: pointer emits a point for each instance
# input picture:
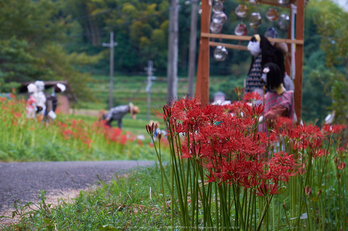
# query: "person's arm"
(108, 115)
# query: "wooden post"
(173, 41)
(299, 58)
(112, 44)
(287, 58)
(202, 83)
(193, 44)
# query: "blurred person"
(272, 33)
(262, 52)
(52, 102)
(117, 113)
(31, 103)
(288, 83)
(40, 99)
(278, 100)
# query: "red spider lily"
(333, 129)
(151, 128)
(274, 189)
(17, 115)
(123, 139)
(252, 96)
(67, 132)
(2, 99)
(254, 111)
(341, 166)
(233, 151)
(238, 90)
(319, 153)
(139, 142)
(307, 190)
(262, 190)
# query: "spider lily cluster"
(62, 138)
(226, 174)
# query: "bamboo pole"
(232, 46)
(247, 38)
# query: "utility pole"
(150, 71)
(193, 43)
(172, 68)
(112, 44)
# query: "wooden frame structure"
(202, 82)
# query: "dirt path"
(23, 181)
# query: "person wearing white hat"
(40, 98)
(118, 112)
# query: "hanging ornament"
(220, 53)
(218, 7)
(272, 14)
(255, 20)
(242, 11)
(271, 33)
(219, 17)
(215, 27)
(241, 30)
(284, 21)
(284, 2)
(254, 2)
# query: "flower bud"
(319, 192)
(342, 165)
(336, 160)
(284, 206)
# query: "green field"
(126, 86)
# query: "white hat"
(62, 87)
(32, 88)
(40, 85)
(134, 110)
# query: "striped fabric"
(254, 80)
(272, 99)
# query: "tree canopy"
(53, 40)
(28, 47)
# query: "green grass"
(68, 138)
(126, 86)
(131, 202)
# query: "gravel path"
(24, 181)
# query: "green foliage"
(333, 29)
(68, 138)
(29, 51)
(131, 202)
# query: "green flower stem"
(268, 201)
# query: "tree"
(29, 48)
(333, 29)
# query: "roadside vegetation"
(68, 138)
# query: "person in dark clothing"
(262, 52)
(52, 103)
